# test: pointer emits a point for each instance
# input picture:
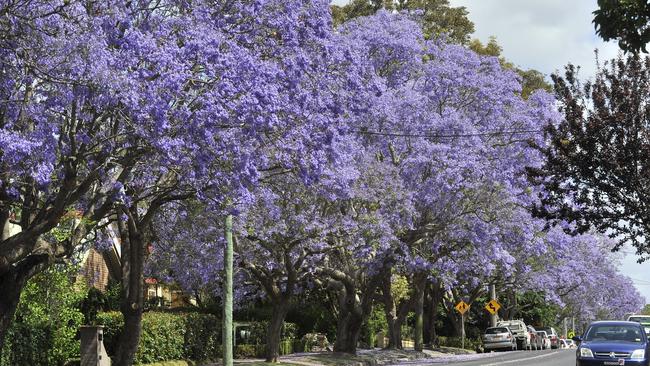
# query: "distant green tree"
(531, 79)
(627, 21)
(646, 310)
(438, 17)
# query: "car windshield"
(622, 333)
(547, 330)
(514, 326)
(496, 330)
(640, 319)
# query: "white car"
(643, 319)
(567, 344)
(519, 331)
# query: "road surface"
(556, 357)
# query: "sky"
(546, 35)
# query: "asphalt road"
(556, 357)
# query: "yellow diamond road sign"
(462, 307)
(571, 334)
(492, 306)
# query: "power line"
(640, 280)
(461, 135)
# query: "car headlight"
(638, 354)
(586, 352)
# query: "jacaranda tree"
(113, 110)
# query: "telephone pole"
(493, 295)
(227, 296)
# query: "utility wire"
(646, 282)
(461, 135)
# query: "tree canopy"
(627, 21)
(595, 173)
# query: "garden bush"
(167, 336)
(456, 342)
(44, 331)
(190, 336)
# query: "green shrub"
(375, 323)
(248, 351)
(44, 331)
(190, 336)
(286, 347)
(456, 342)
(167, 336)
(202, 337)
(258, 332)
(162, 338)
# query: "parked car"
(546, 341)
(499, 338)
(613, 343)
(643, 319)
(536, 342)
(519, 331)
(552, 335)
(567, 344)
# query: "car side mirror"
(577, 339)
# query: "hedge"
(456, 342)
(287, 347)
(189, 336)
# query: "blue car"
(612, 343)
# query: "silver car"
(546, 341)
(499, 338)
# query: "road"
(556, 357)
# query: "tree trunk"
(390, 310)
(128, 342)
(10, 288)
(456, 323)
(349, 325)
(133, 247)
(274, 330)
(347, 335)
(12, 283)
(435, 302)
(420, 283)
(394, 333)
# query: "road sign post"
(462, 334)
(462, 308)
(493, 296)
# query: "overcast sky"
(546, 35)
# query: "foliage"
(375, 323)
(596, 169)
(646, 310)
(168, 336)
(191, 336)
(456, 342)
(625, 21)
(531, 80)
(92, 304)
(436, 16)
(47, 320)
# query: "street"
(557, 357)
